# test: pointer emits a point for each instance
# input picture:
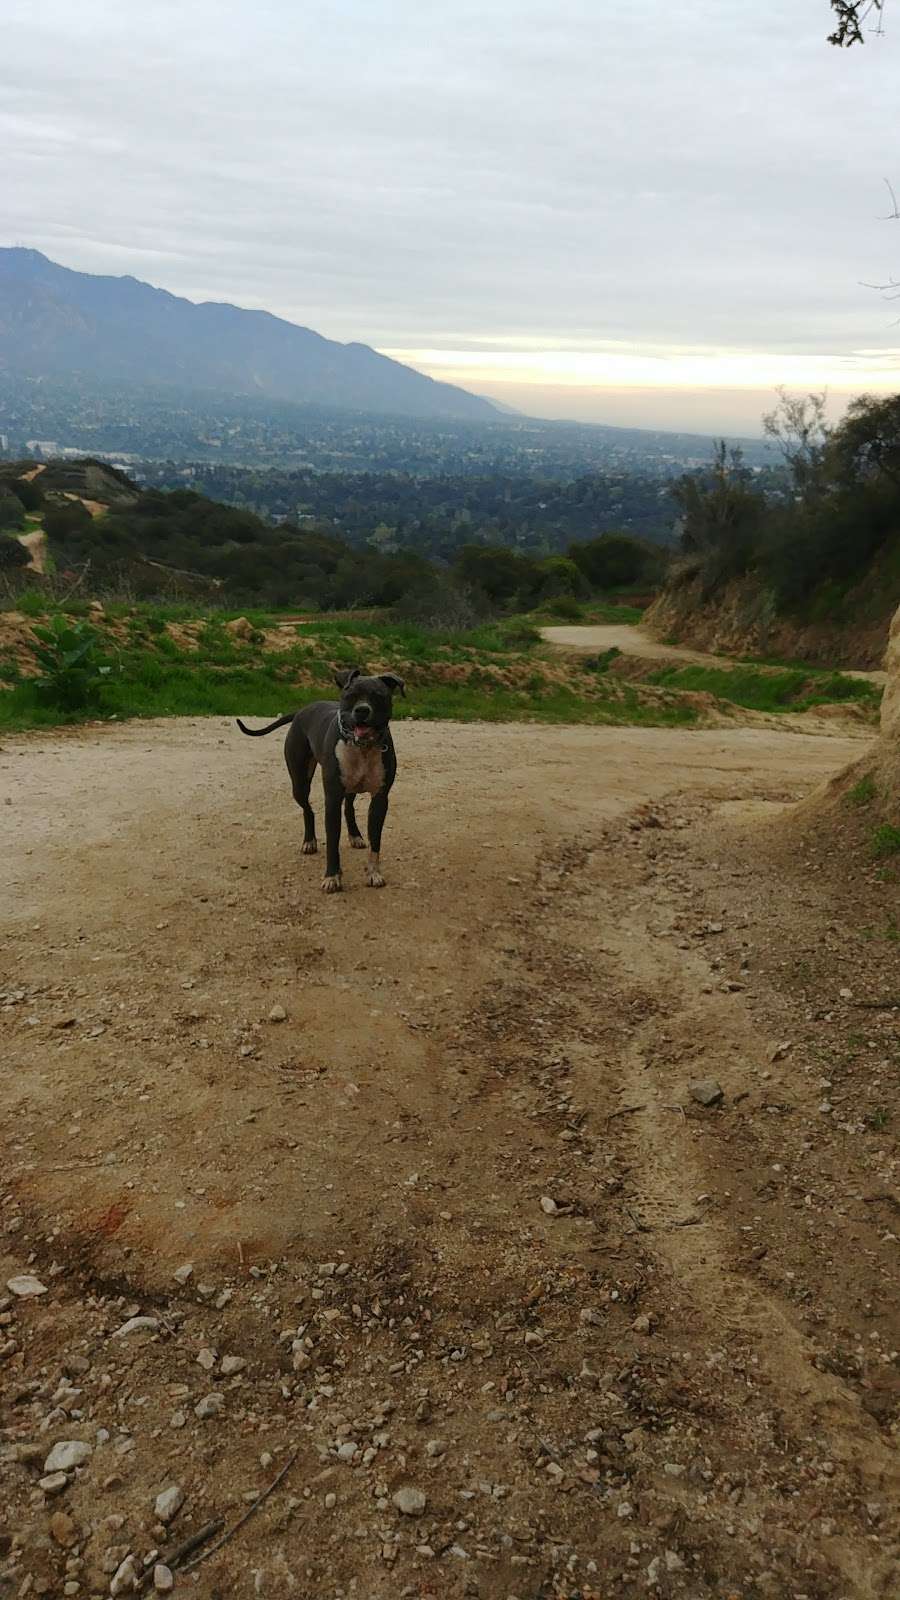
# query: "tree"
(800, 430)
(866, 445)
(849, 18)
(612, 561)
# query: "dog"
(350, 739)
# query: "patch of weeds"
(32, 603)
(878, 1119)
(72, 666)
(886, 840)
(862, 793)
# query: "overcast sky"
(649, 213)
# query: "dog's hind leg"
(357, 842)
(301, 766)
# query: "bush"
(12, 554)
(72, 667)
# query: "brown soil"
(676, 1376)
(742, 621)
(642, 644)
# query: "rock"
(642, 1324)
(178, 1419)
(410, 1502)
(125, 1578)
(169, 1503)
(67, 1455)
(239, 628)
(54, 1483)
(137, 1325)
(206, 1359)
(25, 1286)
(63, 1530)
(163, 1580)
(182, 1274)
(112, 1558)
(232, 1364)
(210, 1406)
(548, 1206)
(707, 1092)
(435, 1448)
(278, 1014)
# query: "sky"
(645, 214)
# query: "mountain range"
(56, 323)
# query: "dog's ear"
(395, 684)
(344, 679)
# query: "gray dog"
(350, 739)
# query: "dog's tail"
(257, 733)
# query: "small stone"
(125, 1578)
(231, 1365)
(548, 1206)
(54, 1483)
(278, 1014)
(67, 1455)
(63, 1530)
(642, 1324)
(169, 1503)
(137, 1325)
(182, 1274)
(410, 1502)
(206, 1359)
(330, 1502)
(435, 1448)
(673, 1561)
(707, 1092)
(210, 1406)
(178, 1419)
(25, 1286)
(163, 1580)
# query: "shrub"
(72, 667)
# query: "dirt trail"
(35, 543)
(432, 1156)
(634, 641)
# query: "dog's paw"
(308, 847)
(374, 878)
(332, 885)
(357, 842)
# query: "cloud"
(517, 177)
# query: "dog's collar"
(347, 732)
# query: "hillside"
(55, 323)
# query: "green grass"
(184, 686)
(796, 689)
(154, 675)
(863, 792)
(886, 840)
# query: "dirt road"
(634, 641)
(537, 1322)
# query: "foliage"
(12, 554)
(617, 561)
(886, 840)
(72, 666)
(770, 689)
(810, 546)
(849, 18)
(12, 511)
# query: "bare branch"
(892, 216)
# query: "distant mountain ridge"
(56, 323)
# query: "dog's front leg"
(332, 880)
(378, 810)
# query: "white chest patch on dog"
(362, 770)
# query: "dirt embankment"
(742, 621)
(430, 1186)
